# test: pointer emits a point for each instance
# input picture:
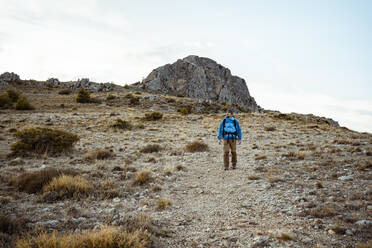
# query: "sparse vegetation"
(142, 177)
(5, 101)
(83, 96)
(33, 182)
(65, 92)
(284, 236)
(162, 204)
(154, 116)
(185, 110)
(23, 104)
(106, 237)
(37, 141)
(270, 128)
(260, 156)
(13, 95)
(101, 154)
(151, 148)
(68, 186)
(196, 146)
(122, 124)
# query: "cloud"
(354, 114)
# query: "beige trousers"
(229, 145)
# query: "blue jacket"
(230, 128)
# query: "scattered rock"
(364, 223)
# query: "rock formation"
(8, 77)
(201, 78)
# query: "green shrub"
(154, 116)
(185, 110)
(110, 97)
(65, 92)
(83, 96)
(196, 146)
(126, 86)
(42, 140)
(33, 182)
(122, 124)
(100, 155)
(13, 95)
(5, 101)
(23, 104)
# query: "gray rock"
(201, 78)
(49, 223)
(364, 223)
(346, 178)
(9, 77)
(54, 81)
(261, 242)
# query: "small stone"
(307, 240)
(364, 223)
(349, 232)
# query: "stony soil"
(304, 184)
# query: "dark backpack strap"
(223, 126)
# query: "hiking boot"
(234, 167)
(226, 169)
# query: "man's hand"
(219, 142)
(239, 141)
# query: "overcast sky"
(296, 56)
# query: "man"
(230, 132)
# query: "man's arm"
(239, 131)
(220, 130)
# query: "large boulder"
(201, 78)
(8, 77)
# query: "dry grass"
(284, 236)
(151, 148)
(327, 210)
(180, 167)
(142, 177)
(162, 204)
(364, 245)
(154, 116)
(196, 146)
(156, 188)
(260, 156)
(33, 182)
(10, 225)
(107, 237)
(253, 177)
(67, 186)
(121, 124)
(100, 155)
(270, 128)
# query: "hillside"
(301, 181)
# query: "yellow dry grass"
(68, 184)
(107, 237)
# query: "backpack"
(224, 132)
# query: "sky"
(295, 55)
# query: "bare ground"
(304, 184)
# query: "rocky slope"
(201, 78)
(301, 181)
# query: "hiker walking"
(230, 132)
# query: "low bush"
(13, 95)
(5, 101)
(42, 140)
(142, 177)
(65, 92)
(151, 148)
(33, 182)
(196, 146)
(68, 186)
(121, 124)
(110, 97)
(162, 204)
(185, 111)
(23, 104)
(260, 156)
(154, 116)
(10, 225)
(271, 128)
(106, 237)
(100, 155)
(84, 97)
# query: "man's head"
(229, 113)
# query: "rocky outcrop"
(201, 78)
(8, 77)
